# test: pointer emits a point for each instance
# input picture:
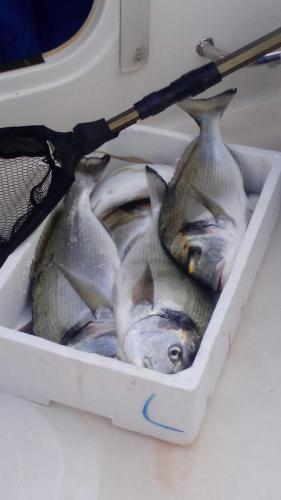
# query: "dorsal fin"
(157, 188)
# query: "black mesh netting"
(24, 184)
(32, 182)
(37, 166)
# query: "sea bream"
(74, 267)
(204, 212)
(161, 314)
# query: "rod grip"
(92, 135)
(192, 83)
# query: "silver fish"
(204, 212)
(127, 223)
(126, 184)
(75, 264)
(161, 314)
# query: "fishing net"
(37, 166)
(32, 181)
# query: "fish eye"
(175, 353)
(194, 253)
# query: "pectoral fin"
(92, 296)
(143, 291)
(213, 206)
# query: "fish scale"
(49, 321)
(217, 182)
(83, 224)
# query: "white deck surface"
(53, 452)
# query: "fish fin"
(198, 108)
(92, 168)
(92, 338)
(157, 188)
(143, 291)
(27, 328)
(213, 206)
(91, 295)
(75, 329)
(183, 161)
(178, 320)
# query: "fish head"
(166, 343)
(201, 248)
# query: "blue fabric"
(30, 27)
(18, 38)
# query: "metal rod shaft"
(249, 53)
(123, 120)
(225, 65)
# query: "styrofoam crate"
(168, 407)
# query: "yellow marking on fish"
(191, 266)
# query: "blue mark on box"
(147, 417)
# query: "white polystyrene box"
(168, 407)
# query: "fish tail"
(212, 107)
(91, 168)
